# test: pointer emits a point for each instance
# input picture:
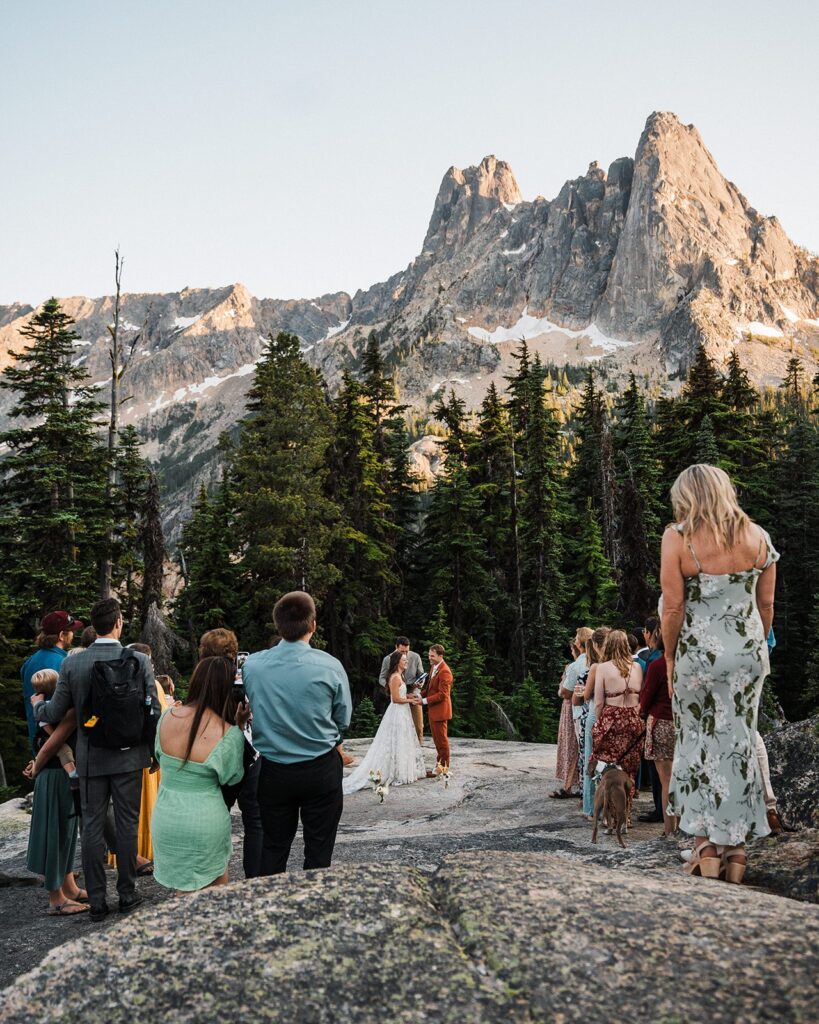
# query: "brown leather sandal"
(706, 867)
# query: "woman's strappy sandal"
(734, 869)
(706, 867)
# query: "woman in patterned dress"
(718, 575)
(584, 699)
(617, 734)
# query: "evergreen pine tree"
(472, 712)
(590, 582)
(358, 602)
(749, 441)
(534, 716)
(680, 419)
(794, 532)
(706, 449)
(284, 521)
(15, 748)
(365, 721)
(518, 389)
(540, 538)
(52, 507)
(211, 596)
(456, 572)
(128, 497)
(490, 461)
(639, 508)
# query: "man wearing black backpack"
(113, 691)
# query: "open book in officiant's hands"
(416, 684)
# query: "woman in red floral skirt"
(618, 729)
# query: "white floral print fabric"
(720, 666)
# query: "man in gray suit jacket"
(104, 773)
(413, 670)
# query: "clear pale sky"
(298, 146)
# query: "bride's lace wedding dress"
(395, 751)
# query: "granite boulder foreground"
(488, 937)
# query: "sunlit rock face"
(633, 267)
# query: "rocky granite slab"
(490, 937)
(585, 943)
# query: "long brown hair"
(618, 652)
(210, 689)
(594, 646)
(395, 661)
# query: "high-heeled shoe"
(734, 870)
(707, 867)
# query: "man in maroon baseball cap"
(60, 622)
(53, 641)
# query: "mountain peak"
(465, 201)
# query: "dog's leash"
(628, 750)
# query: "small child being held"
(45, 682)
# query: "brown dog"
(613, 798)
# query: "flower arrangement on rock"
(442, 772)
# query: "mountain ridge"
(635, 265)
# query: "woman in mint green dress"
(199, 751)
(718, 575)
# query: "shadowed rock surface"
(490, 937)
(793, 753)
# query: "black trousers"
(311, 789)
(256, 853)
(125, 793)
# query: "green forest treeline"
(547, 516)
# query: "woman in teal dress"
(718, 575)
(199, 751)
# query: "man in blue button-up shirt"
(301, 705)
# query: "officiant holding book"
(413, 677)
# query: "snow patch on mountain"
(763, 330)
(529, 327)
(337, 330)
(181, 322)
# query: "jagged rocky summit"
(638, 265)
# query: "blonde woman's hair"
(581, 638)
(704, 498)
(618, 651)
(595, 644)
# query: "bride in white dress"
(395, 750)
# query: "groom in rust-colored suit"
(436, 699)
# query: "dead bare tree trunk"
(153, 549)
(119, 359)
(106, 563)
(163, 642)
(516, 554)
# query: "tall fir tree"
(128, 497)
(358, 602)
(53, 511)
(456, 571)
(490, 460)
(639, 505)
(211, 597)
(541, 518)
(284, 520)
(679, 420)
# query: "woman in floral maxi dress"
(718, 575)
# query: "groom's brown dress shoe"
(431, 775)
